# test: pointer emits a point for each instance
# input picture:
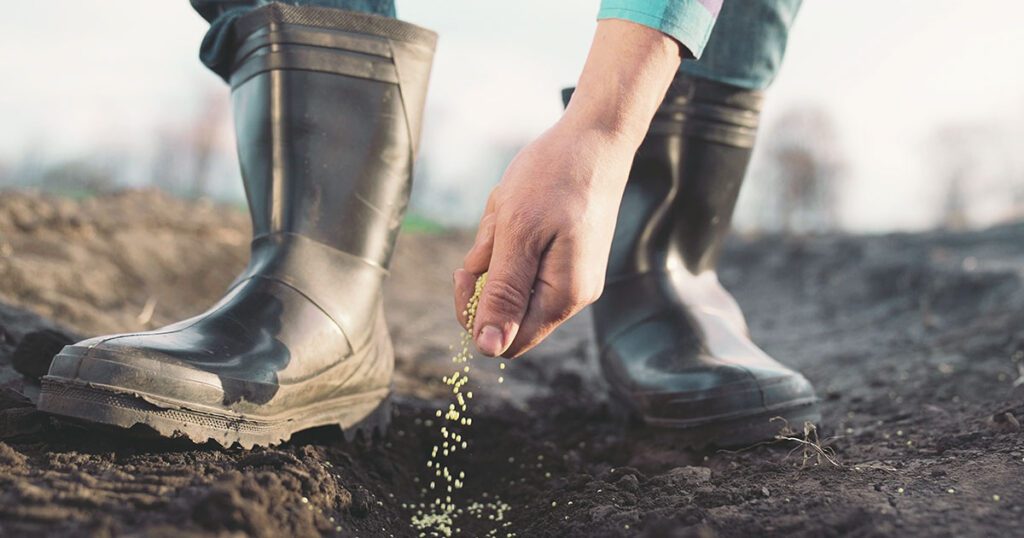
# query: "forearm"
(626, 75)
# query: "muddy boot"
(327, 108)
(674, 345)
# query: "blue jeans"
(745, 49)
(216, 51)
(747, 43)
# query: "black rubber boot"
(674, 345)
(327, 108)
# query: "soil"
(915, 342)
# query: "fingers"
(555, 302)
(479, 256)
(465, 284)
(545, 313)
(475, 262)
(516, 253)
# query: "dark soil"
(915, 342)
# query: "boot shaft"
(685, 179)
(328, 107)
(711, 128)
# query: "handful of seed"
(439, 517)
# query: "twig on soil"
(746, 448)
(876, 466)
(810, 446)
(146, 315)
(1020, 377)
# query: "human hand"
(544, 237)
(547, 229)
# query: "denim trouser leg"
(747, 43)
(216, 50)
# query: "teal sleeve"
(688, 21)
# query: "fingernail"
(490, 341)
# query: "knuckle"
(583, 290)
(504, 298)
(576, 297)
(565, 307)
(487, 223)
(523, 220)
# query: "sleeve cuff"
(687, 21)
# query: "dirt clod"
(688, 475)
(1005, 422)
(10, 457)
(35, 351)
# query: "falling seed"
(439, 517)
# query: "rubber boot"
(673, 343)
(327, 107)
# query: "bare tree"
(186, 149)
(804, 165)
(204, 135)
(980, 172)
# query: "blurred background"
(886, 116)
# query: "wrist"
(628, 69)
(605, 118)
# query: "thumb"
(506, 294)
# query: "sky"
(95, 77)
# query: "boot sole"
(363, 414)
(733, 431)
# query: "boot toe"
(670, 380)
(695, 396)
(125, 364)
(784, 388)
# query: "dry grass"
(812, 448)
(809, 445)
